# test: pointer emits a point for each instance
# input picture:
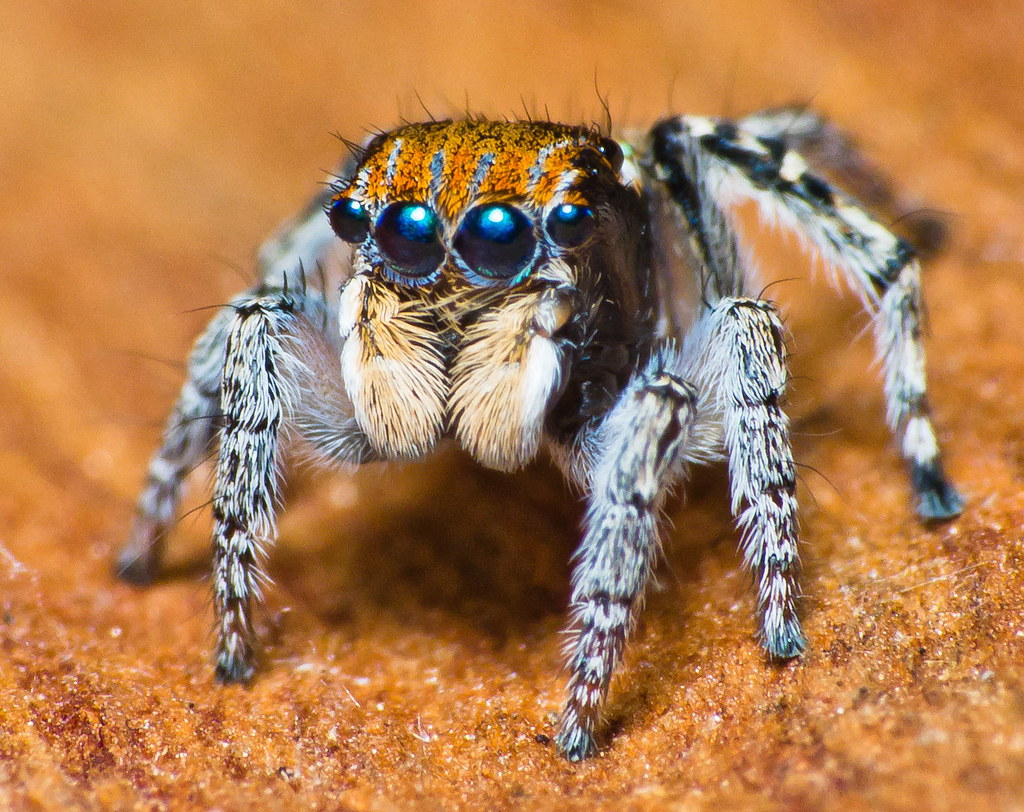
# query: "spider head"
(477, 250)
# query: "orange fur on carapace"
(453, 164)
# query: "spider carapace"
(519, 285)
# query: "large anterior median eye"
(496, 240)
(570, 225)
(407, 236)
(349, 219)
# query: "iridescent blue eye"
(570, 225)
(496, 240)
(349, 219)
(407, 236)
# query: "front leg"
(738, 352)
(280, 369)
(252, 404)
(642, 450)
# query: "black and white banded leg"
(827, 147)
(643, 442)
(188, 438)
(253, 404)
(735, 354)
(739, 357)
(280, 372)
(733, 164)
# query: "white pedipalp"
(392, 368)
(503, 380)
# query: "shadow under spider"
(446, 543)
(439, 537)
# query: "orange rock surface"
(412, 631)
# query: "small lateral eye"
(349, 219)
(570, 225)
(407, 236)
(496, 240)
(612, 152)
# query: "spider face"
(513, 284)
(483, 204)
(478, 250)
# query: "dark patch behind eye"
(590, 161)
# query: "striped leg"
(739, 355)
(698, 158)
(643, 441)
(246, 491)
(736, 354)
(827, 147)
(188, 438)
(281, 370)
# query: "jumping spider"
(518, 284)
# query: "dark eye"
(570, 225)
(612, 152)
(407, 236)
(349, 219)
(496, 240)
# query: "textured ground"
(413, 630)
